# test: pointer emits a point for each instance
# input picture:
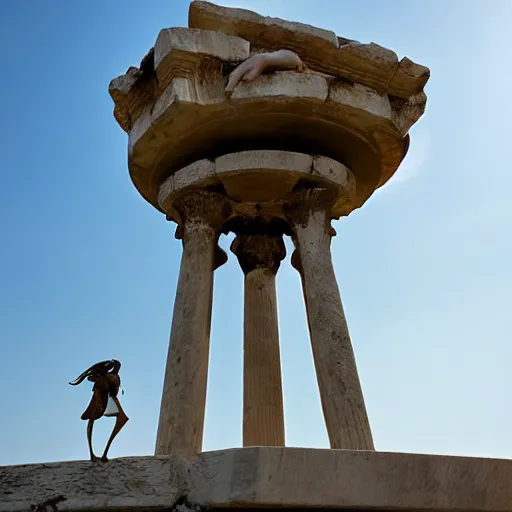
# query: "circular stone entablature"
(285, 111)
(259, 183)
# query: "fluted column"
(263, 418)
(180, 428)
(340, 390)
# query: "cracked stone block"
(265, 477)
(367, 63)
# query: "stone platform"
(266, 478)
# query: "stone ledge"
(136, 483)
(203, 42)
(348, 123)
(266, 477)
(277, 172)
(179, 53)
(227, 36)
(369, 64)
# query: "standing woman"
(104, 402)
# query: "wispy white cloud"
(417, 157)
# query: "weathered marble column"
(180, 428)
(263, 419)
(340, 390)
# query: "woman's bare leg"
(89, 440)
(121, 420)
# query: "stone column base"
(263, 477)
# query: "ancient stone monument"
(264, 128)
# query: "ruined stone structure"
(264, 128)
(282, 153)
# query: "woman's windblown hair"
(99, 369)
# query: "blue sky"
(89, 270)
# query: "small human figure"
(104, 402)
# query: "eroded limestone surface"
(262, 180)
(355, 103)
(265, 478)
(368, 64)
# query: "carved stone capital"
(304, 202)
(201, 207)
(204, 209)
(259, 251)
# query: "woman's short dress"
(105, 388)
